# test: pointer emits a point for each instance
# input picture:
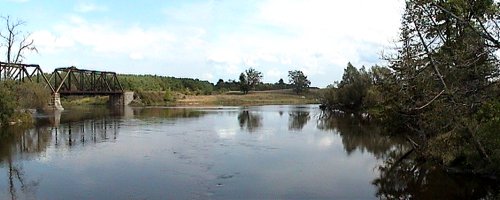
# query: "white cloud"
(208, 76)
(107, 38)
(276, 74)
(89, 7)
(45, 41)
(317, 37)
(136, 56)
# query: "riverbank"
(232, 98)
(273, 97)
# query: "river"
(261, 152)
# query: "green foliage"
(299, 81)
(17, 96)
(8, 104)
(441, 89)
(253, 77)
(32, 95)
(225, 86)
(249, 79)
(88, 100)
(162, 83)
(168, 96)
(153, 98)
(356, 92)
(488, 119)
(232, 85)
(244, 83)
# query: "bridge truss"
(74, 81)
(65, 81)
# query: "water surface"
(264, 152)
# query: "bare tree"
(15, 41)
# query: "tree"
(444, 74)
(244, 85)
(8, 104)
(16, 42)
(280, 84)
(299, 81)
(349, 95)
(249, 80)
(220, 84)
(254, 77)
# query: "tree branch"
(485, 34)
(430, 102)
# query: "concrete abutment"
(55, 102)
(121, 99)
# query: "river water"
(262, 152)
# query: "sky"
(209, 40)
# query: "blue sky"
(210, 39)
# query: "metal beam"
(67, 81)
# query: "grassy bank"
(273, 97)
(233, 98)
(78, 100)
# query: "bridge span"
(69, 81)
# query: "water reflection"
(15, 143)
(87, 146)
(90, 131)
(80, 113)
(249, 120)
(298, 118)
(29, 143)
(168, 113)
(20, 144)
(403, 176)
(361, 135)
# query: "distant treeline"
(188, 85)
(163, 90)
(164, 83)
(233, 85)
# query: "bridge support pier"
(121, 99)
(55, 102)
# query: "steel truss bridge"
(64, 81)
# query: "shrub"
(8, 103)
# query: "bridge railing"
(74, 81)
(23, 73)
(65, 81)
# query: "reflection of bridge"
(69, 81)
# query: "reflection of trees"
(168, 113)
(402, 174)
(89, 131)
(80, 113)
(298, 119)
(19, 143)
(17, 179)
(413, 178)
(22, 144)
(250, 121)
(359, 135)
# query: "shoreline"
(254, 98)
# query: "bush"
(8, 103)
(350, 94)
(168, 96)
(32, 95)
